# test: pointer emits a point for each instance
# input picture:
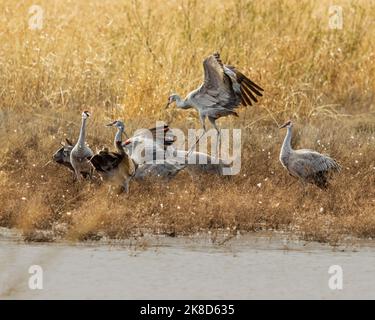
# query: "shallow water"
(253, 266)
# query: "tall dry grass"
(121, 59)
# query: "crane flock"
(223, 90)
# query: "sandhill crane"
(116, 166)
(62, 156)
(307, 165)
(175, 159)
(223, 90)
(81, 153)
(147, 167)
(146, 144)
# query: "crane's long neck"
(286, 148)
(120, 147)
(118, 139)
(82, 134)
(182, 103)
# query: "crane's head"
(287, 124)
(118, 124)
(85, 114)
(172, 98)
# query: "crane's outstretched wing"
(216, 92)
(224, 86)
(248, 89)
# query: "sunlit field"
(122, 59)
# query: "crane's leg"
(109, 190)
(126, 185)
(91, 172)
(77, 174)
(202, 118)
(78, 177)
(218, 139)
(304, 186)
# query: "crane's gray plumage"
(81, 153)
(62, 156)
(174, 160)
(223, 90)
(106, 161)
(308, 165)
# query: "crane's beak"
(167, 105)
(110, 124)
(284, 125)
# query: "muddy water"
(246, 267)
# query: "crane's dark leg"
(218, 139)
(304, 186)
(202, 118)
(126, 185)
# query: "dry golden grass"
(121, 59)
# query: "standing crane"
(62, 156)
(307, 165)
(223, 90)
(81, 153)
(116, 166)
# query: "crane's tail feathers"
(333, 165)
(336, 166)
